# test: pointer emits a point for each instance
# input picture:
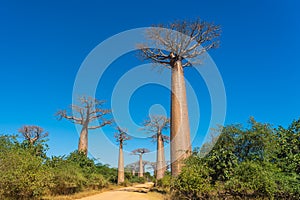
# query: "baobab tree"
(179, 45)
(155, 125)
(152, 165)
(140, 152)
(33, 137)
(33, 133)
(88, 111)
(121, 136)
(133, 167)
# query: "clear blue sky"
(43, 43)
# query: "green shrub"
(23, 175)
(96, 181)
(253, 179)
(193, 182)
(67, 179)
(165, 183)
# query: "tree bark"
(180, 128)
(121, 165)
(133, 172)
(141, 172)
(83, 140)
(160, 162)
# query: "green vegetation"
(257, 162)
(26, 174)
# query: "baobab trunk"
(121, 166)
(83, 140)
(141, 172)
(160, 164)
(180, 128)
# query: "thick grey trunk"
(141, 172)
(121, 166)
(160, 158)
(133, 172)
(83, 140)
(180, 128)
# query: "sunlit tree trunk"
(160, 165)
(180, 129)
(141, 172)
(83, 140)
(121, 165)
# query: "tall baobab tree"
(121, 136)
(140, 152)
(88, 111)
(179, 45)
(155, 125)
(33, 133)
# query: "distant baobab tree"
(121, 136)
(140, 152)
(89, 110)
(152, 165)
(33, 139)
(179, 45)
(33, 133)
(155, 125)
(133, 167)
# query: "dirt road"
(137, 192)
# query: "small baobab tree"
(176, 46)
(133, 167)
(140, 152)
(155, 125)
(121, 136)
(33, 133)
(85, 114)
(33, 137)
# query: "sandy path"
(127, 194)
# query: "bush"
(96, 181)
(164, 183)
(193, 182)
(253, 179)
(68, 177)
(23, 175)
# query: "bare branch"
(33, 133)
(184, 39)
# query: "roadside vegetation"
(27, 173)
(253, 162)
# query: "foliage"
(23, 175)
(256, 162)
(193, 182)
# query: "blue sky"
(43, 43)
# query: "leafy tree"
(88, 111)
(222, 159)
(179, 45)
(288, 147)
